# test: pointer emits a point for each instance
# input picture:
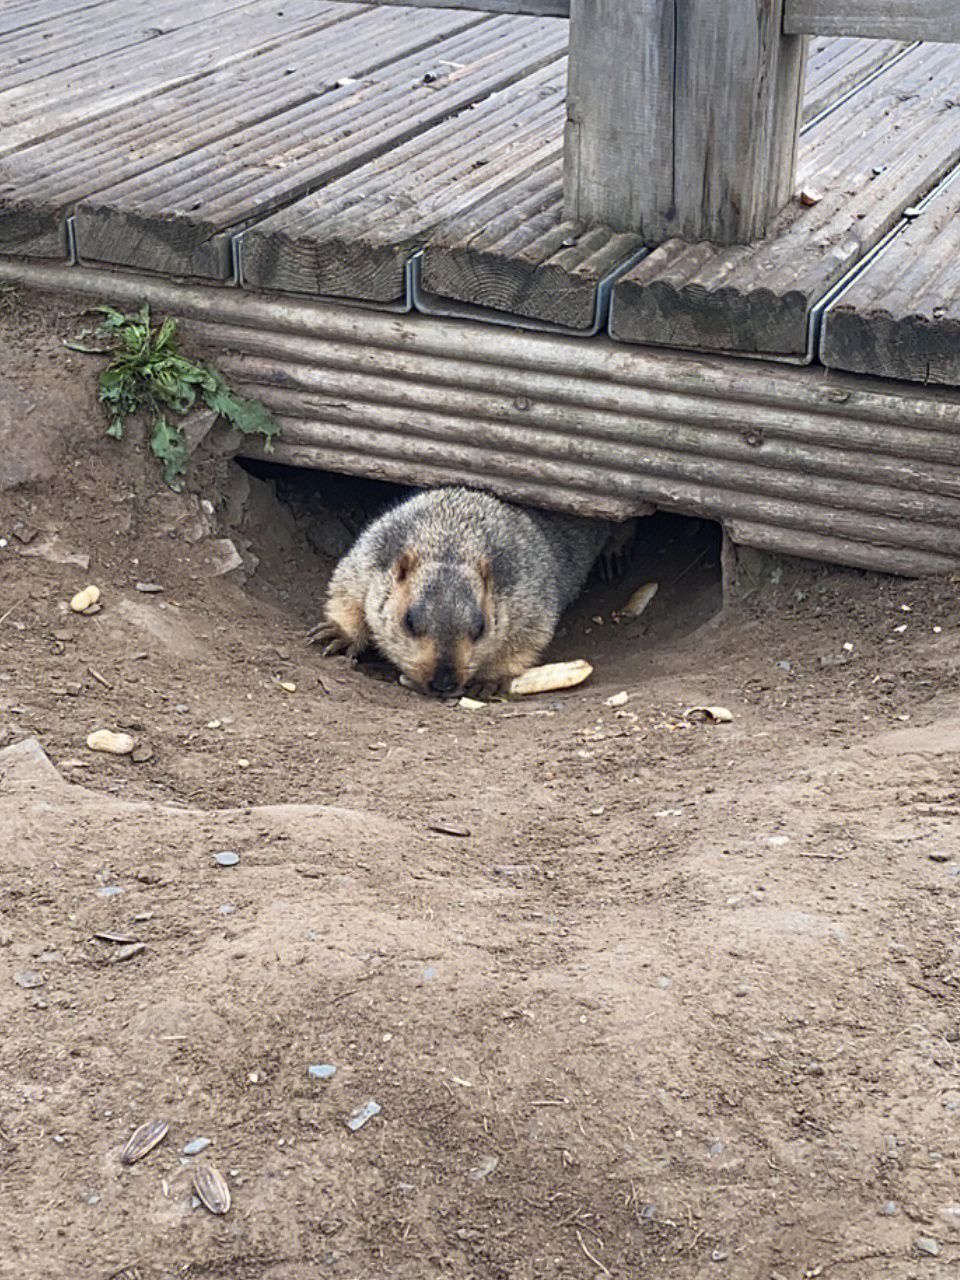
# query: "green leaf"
(115, 429)
(168, 443)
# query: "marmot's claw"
(332, 638)
(486, 689)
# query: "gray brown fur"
(457, 588)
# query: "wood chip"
(555, 675)
(211, 1187)
(640, 599)
(128, 951)
(143, 1140)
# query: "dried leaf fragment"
(719, 715)
(211, 1187)
(143, 1139)
(555, 675)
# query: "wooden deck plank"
(19, 15)
(73, 39)
(901, 317)
(53, 104)
(352, 238)
(869, 161)
(180, 216)
(40, 184)
(836, 64)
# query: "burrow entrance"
(682, 555)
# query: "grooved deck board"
(891, 142)
(54, 103)
(88, 35)
(353, 237)
(901, 317)
(835, 64)
(19, 15)
(179, 216)
(40, 184)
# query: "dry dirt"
(637, 996)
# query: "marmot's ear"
(405, 563)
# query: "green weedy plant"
(148, 372)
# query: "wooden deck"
(316, 149)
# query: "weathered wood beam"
(682, 117)
(880, 19)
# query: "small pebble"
(196, 1146)
(618, 699)
(321, 1070)
(148, 588)
(226, 858)
(288, 686)
(226, 909)
(719, 1255)
(939, 856)
(29, 978)
(358, 1118)
(485, 1169)
(927, 1244)
(243, 764)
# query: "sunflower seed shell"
(143, 1140)
(211, 1187)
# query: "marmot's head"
(438, 620)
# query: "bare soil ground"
(637, 996)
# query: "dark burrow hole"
(680, 554)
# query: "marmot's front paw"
(487, 689)
(334, 640)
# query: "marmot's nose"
(444, 679)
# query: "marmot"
(457, 588)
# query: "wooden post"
(682, 117)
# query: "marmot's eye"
(479, 627)
(410, 624)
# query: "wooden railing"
(683, 115)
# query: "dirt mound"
(636, 994)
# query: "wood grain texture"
(352, 238)
(682, 116)
(54, 103)
(888, 144)
(878, 19)
(179, 217)
(87, 35)
(40, 184)
(836, 65)
(901, 317)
